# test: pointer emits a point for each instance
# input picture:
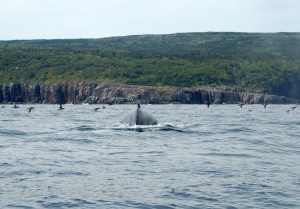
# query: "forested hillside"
(267, 62)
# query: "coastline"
(105, 93)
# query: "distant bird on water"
(207, 99)
(265, 105)
(30, 108)
(208, 104)
(249, 110)
(241, 105)
(95, 109)
(15, 106)
(103, 107)
(60, 107)
(293, 108)
(288, 111)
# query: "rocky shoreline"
(105, 93)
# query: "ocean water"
(196, 157)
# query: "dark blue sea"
(223, 156)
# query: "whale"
(138, 117)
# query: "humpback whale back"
(130, 118)
(144, 118)
(139, 117)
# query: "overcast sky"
(60, 19)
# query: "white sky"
(60, 19)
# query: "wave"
(143, 128)
(85, 128)
(12, 133)
(71, 139)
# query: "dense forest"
(260, 61)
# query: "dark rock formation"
(95, 93)
(289, 88)
(1, 94)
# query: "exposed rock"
(290, 88)
(105, 93)
(1, 94)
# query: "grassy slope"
(247, 60)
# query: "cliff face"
(290, 88)
(96, 93)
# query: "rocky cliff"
(96, 93)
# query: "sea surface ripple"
(223, 156)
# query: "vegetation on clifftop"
(246, 60)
